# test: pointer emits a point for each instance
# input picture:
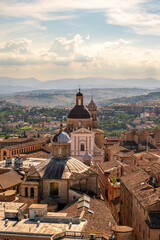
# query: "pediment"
(82, 131)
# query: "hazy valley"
(62, 98)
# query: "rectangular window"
(82, 147)
(54, 191)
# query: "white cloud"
(88, 37)
(21, 45)
(77, 57)
(34, 24)
(139, 15)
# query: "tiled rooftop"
(105, 166)
(98, 215)
(22, 145)
(9, 179)
(135, 178)
(28, 227)
(147, 195)
(10, 206)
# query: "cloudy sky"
(52, 39)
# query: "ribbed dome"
(61, 137)
(92, 104)
(61, 168)
(79, 112)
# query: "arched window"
(79, 124)
(32, 192)
(59, 151)
(79, 101)
(26, 191)
(82, 147)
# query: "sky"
(55, 39)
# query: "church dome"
(79, 93)
(66, 168)
(79, 112)
(61, 137)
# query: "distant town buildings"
(79, 183)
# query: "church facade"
(58, 180)
(87, 142)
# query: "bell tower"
(92, 107)
(79, 98)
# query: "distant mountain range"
(12, 85)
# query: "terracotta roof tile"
(27, 144)
(147, 196)
(134, 179)
(98, 220)
(38, 154)
(116, 148)
(107, 165)
(9, 179)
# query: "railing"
(77, 234)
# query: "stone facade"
(76, 124)
(63, 189)
(126, 202)
(29, 192)
(113, 198)
(83, 140)
(139, 205)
